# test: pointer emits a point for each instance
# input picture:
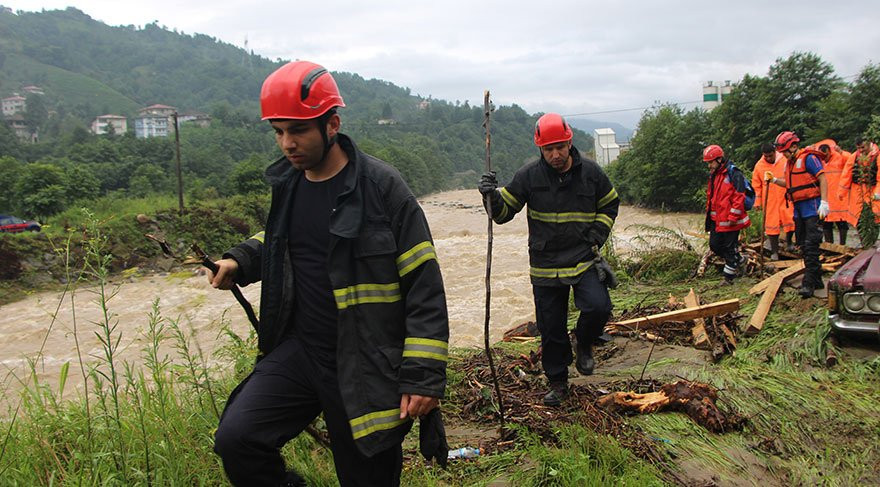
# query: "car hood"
(862, 271)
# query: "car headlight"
(854, 302)
(874, 303)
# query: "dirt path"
(459, 228)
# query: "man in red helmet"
(807, 188)
(572, 207)
(725, 209)
(353, 319)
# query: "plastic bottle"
(466, 452)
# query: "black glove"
(488, 183)
(432, 437)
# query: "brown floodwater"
(40, 328)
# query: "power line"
(629, 109)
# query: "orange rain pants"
(779, 214)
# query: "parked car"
(854, 294)
(14, 224)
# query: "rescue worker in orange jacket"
(834, 160)
(778, 216)
(860, 177)
(807, 188)
(725, 209)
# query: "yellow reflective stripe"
(367, 293)
(510, 199)
(608, 198)
(373, 422)
(414, 257)
(604, 219)
(260, 236)
(551, 273)
(569, 217)
(504, 212)
(426, 348)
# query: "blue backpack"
(749, 202)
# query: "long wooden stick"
(487, 200)
(764, 222)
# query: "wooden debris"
(782, 275)
(704, 263)
(695, 399)
(782, 264)
(687, 314)
(701, 338)
(837, 248)
(521, 332)
(728, 335)
(672, 301)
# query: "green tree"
(662, 169)
(9, 143)
(81, 182)
(36, 113)
(41, 190)
(10, 171)
(247, 176)
(147, 179)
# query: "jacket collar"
(346, 219)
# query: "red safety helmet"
(299, 90)
(550, 129)
(712, 152)
(785, 139)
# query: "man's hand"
(823, 210)
(225, 277)
(488, 183)
(415, 406)
(768, 176)
(876, 196)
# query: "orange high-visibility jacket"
(861, 191)
(834, 165)
(778, 216)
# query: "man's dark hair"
(767, 148)
(860, 140)
(825, 148)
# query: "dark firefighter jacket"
(393, 323)
(568, 214)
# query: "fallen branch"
(782, 275)
(695, 399)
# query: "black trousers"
(828, 230)
(551, 310)
(812, 238)
(284, 393)
(724, 244)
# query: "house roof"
(159, 106)
(110, 116)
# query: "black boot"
(807, 287)
(584, 362)
(774, 246)
(843, 228)
(558, 393)
(828, 231)
(293, 480)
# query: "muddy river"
(47, 321)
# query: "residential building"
(606, 146)
(14, 104)
(21, 129)
(36, 90)
(198, 119)
(154, 121)
(714, 94)
(101, 125)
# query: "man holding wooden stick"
(572, 207)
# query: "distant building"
(714, 94)
(101, 124)
(14, 104)
(21, 129)
(424, 104)
(607, 148)
(386, 121)
(154, 121)
(202, 120)
(36, 90)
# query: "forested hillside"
(87, 68)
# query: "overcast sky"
(572, 57)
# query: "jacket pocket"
(375, 241)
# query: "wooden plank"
(756, 322)
(687, 314)
(701, 338)
(785, 274)
(837, 248)
(731, 340)
(782, 264)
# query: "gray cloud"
(567, 56)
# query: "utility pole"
(179, 174)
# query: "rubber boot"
(584, 362)
(828, 231)
(844, 229)
(789, 245)
(774, 246)
(558, 393)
